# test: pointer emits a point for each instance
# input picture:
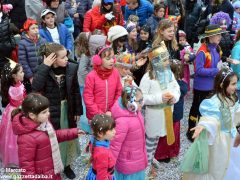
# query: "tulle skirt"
(8, 140)
(92, 176)
(135, 176)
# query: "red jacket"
(34, 148)
(93, 19)
(99, 95)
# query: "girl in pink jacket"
(128, 145)
(102, 85)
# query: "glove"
(109, 16)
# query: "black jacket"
(18, 13)
(44, 82)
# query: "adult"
(7, 43)
(103, 17)
(18, 13)
(58, 6)
(33, 8)
(193, 12)
(142, 8)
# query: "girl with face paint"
(223, 20)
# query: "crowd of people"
(119, 71)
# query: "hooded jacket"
(128, 145)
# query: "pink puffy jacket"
(99, 95)
(128, 145)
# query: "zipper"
(106, 95)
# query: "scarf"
(56, 156)
(103, 73)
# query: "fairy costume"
(220, 119)
(103, 161)
(8, 140)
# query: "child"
(28, 48)
(124, 65)
(52, 32)
(13, 93)
(103, 162)
(129, 145)
(38, 148)
(160, 92)
(132, 43)
(166, 33)
(171, 151)
(56, 78)
(117, 36)
(205, 67)
(157, 16)
(102, 85)
(235, 54)
(85, 45)
(220, 121)
(186, 54)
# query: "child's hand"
(237, 141)
(186, 57)
(197, 130)
(233, 61)
(140, 62)
(81, 132)
(108, 113)
(166, 97)
(172, 101)
(50, 59)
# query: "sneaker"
(69, 172)
(156, 164)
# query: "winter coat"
(128, 145)
(34, 8)
(34, 148)
(5, 37)
(226, 45)
(65, 36)
(45, 82)
(153, 22)
(84, 68)
(143, 11)
(28, 55)
(18, 14)
(93, 19)
(83, 7)
(178, 107)
(100, 95)
(235, 54)
(192, 16)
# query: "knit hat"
(181, 33)
(29, 22)
(236, 4)
(116, 32)
(130, 27)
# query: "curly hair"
(216, 18)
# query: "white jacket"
(152, 95)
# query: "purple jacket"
(128, 146)
(204, 77)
